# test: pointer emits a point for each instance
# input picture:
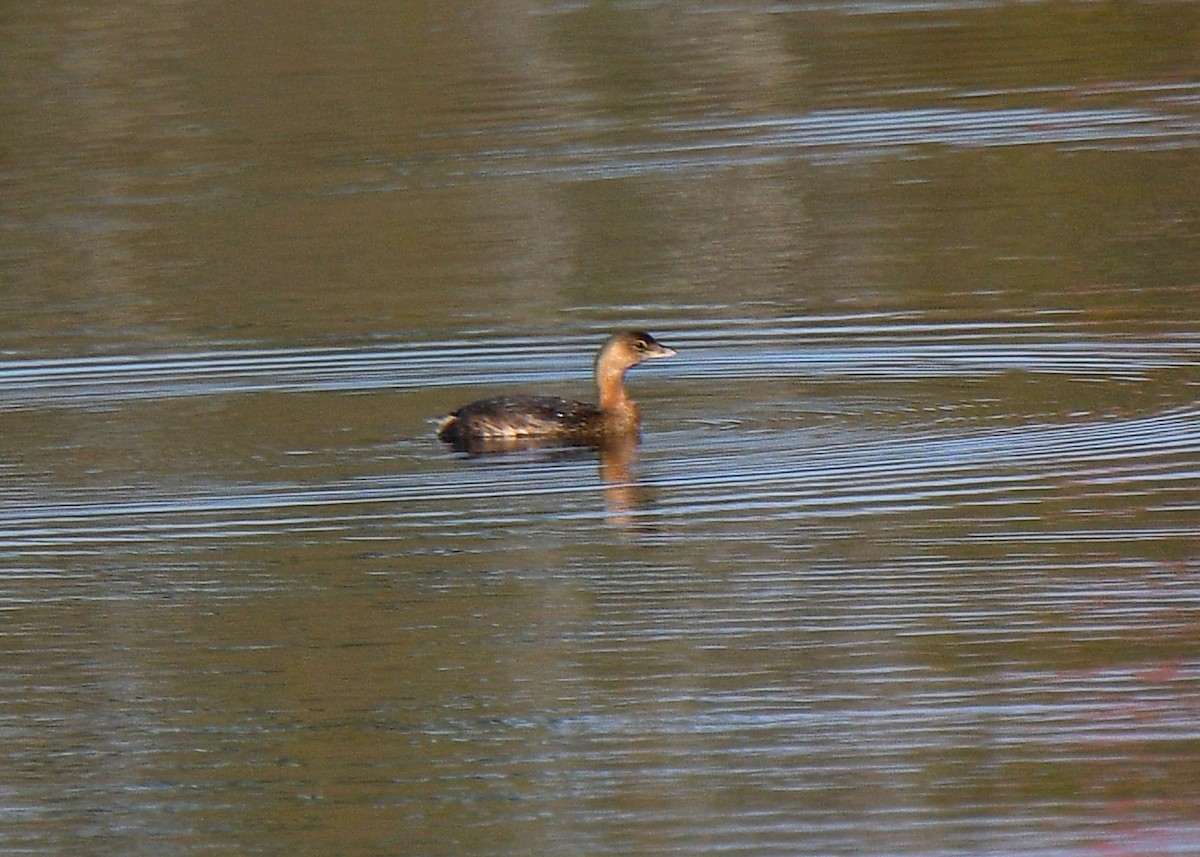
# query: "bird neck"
(610, 387)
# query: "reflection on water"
(864, 579)
(623, 496)
(848, 134)
(725, 464)
(616, 458)
(885, 347)
(905, 563)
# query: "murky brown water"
(906, 564)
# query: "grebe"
(513, 420)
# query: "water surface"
(906, 562)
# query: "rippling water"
(839, 134)
(869, 580)
(773, 463)
(906, 562)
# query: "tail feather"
(448, 429)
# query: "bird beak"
(662, 351)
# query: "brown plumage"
(513, 420)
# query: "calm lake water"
(907, 562)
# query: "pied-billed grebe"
(549, 419)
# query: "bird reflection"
(624, 495)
